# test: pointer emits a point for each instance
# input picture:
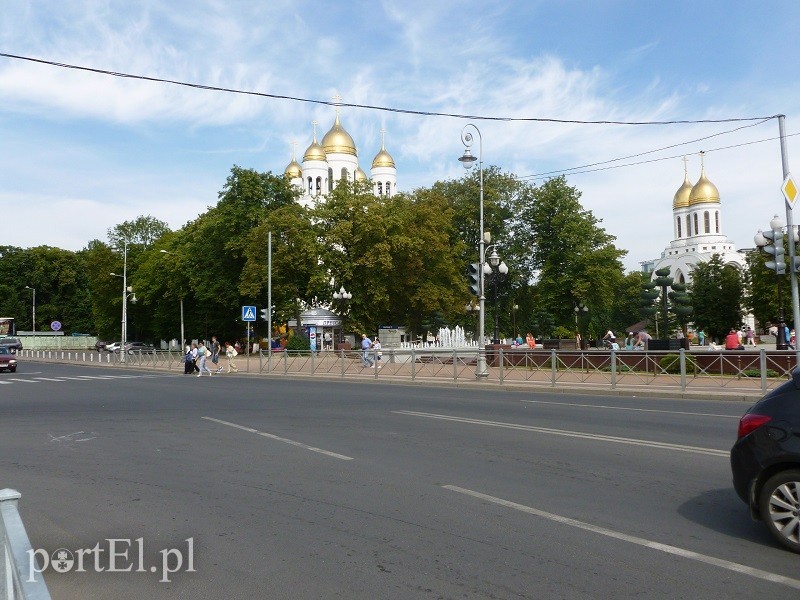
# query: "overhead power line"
(375, 107)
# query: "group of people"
(635, 340)
(200, 352)
(369, 349)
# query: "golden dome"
(383, 159)
(314, 152)
(293, 170)
(337, 140)
(360, 175)
(681, 199)
(703, 190)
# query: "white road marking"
(280, 439)
(22, 381)
(6, 382)
(703, 558)
(653, 410)
(575, 434)
(47, 379)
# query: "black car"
(12, 343)
(765, 462)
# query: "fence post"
(313, 362)
(413, 363)
(613, 369)
(553, 359)
(502, 360)
(285, 361)
(455, 365)
(15, 554)
(762, 366)
(682, 361)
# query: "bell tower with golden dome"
(697, 229)
(336, 159)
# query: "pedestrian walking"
(378, 353)
(195, 358)
(215, 348)
(751, 337)
(231, 353)
(366, 344)
(203, 353)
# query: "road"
(334, 489)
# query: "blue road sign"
(248, 313)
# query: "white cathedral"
(697, 226)
(335, 159)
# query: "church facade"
(335, 159)
(697, 230)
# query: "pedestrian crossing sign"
(248, 313)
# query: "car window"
(4, 350)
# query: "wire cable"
(375, 107)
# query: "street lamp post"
(341, 298)
(127, 291)
(580, 309)
(493, 263)
(33, 311)
(467, 159)
(183, 336)
(514, 309)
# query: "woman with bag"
(231, 353)
(203, 353)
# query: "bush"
(298, 342)
(671, 363)
(756, 373)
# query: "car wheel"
(779, 505)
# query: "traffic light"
(264, 314)
(475, 279)
(776, 251)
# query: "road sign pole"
(790, 230)
(247, 360)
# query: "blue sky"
(82, 152)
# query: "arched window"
(388, 188)
(688, 226)
(380, 189)
(310, 186)
(716, 219)
(344, 173)
(707, 222)
(696, 226)
(319, 185)
(679, 226)
(330, 179)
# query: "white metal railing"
(698, 371)
(18, 579)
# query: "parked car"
(137, 347)
(100, 345)
(12, 343)
(8, 360)
(765, 461)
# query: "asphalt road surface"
(279, 488)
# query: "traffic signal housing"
(264, 314)
(776, 250)
(475, 279)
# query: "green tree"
(143, 230)
(561, 247)
(716, 294)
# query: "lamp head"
(467, 159)
(494, 258)
(776, 223)
(133, 299)
(503, 268)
